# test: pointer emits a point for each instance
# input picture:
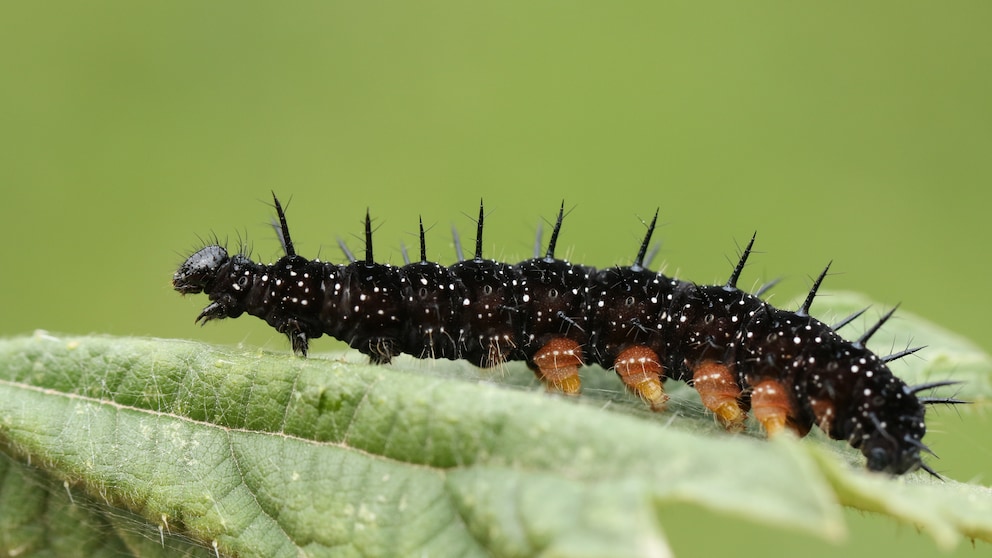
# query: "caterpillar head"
(226, 280)
(199, 271)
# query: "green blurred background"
(854, 132)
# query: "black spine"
(283, 230)
(639, 260)
(739, 268)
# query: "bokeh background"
(850, 131)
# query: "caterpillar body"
(741, 354)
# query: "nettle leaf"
(162, 447)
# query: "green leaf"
(165, 447)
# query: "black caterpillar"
(739, 352)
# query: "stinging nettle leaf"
(258, 454)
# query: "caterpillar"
(740, 353)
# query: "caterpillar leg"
(720, 393)
(557, 365)
(640, 369)
(213, 311)
(773, 408)
(381, 350)
(297, 335)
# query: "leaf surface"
(175, 446)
